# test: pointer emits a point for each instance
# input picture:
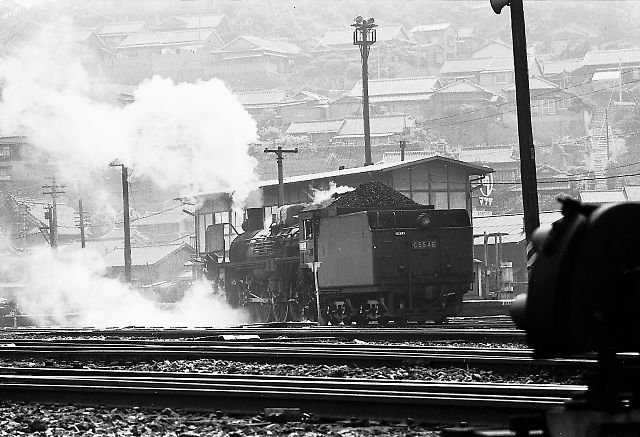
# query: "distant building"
(437, 43)
(319, 132)
(624, 61)
(570, 35)
(189, 22)
(166, 226)
(409, 95)
(151, 264)
(257, 102)
(163, 43)
(341, 39)
(250, 60)
(467, 42)
(384, 130)
(495, 49)
(500, 244)
(303, 106)
(630, 193)
(490, 73)
(561, 72)
(462, 96)
(114, 34)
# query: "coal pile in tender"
(375, 195)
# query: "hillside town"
(440, 82)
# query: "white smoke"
(192, 137)
(69, 289)
(319, 196)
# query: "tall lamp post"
(127, 226)
(364, 35)
(525, 135)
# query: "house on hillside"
(437, 42)
(495, 49)
(570, 35)
(561, 72)
(555, 112)
(164, 43)
(341, 39)
(624, 61)
(490, 73)
(23, 167)
(113, 34)
(467, 42)
(408, 95)
(303, 106)
(463, 96)
(319, 132)
(189, 22)
(384, 130)
(248, 60)
(151, 264)
(257, 102)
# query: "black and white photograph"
(320, 218)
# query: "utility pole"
(81, 223)
(523, 101)
(127, 222)
(364, 35)
(403, 145)
(54, 190)
(279, 151)
(606, 125)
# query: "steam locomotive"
(369, 255)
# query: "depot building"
(435, 180)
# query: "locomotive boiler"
(379, 257)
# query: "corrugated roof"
(176, 37)
(380, 126)
(262, 98)
(511, 226)
(271, 45)
(557, 67)
(535, 83)
(609, 57)
(487, 155)
(141, 256)
(397, 87)
(122, 28)
(430, 27)
(602, 196)
(474, 169)
(344, 36)
(314, 127)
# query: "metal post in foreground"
(279, 151)
(364, 35)
(525, 135)
(127, 222)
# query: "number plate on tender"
(424, 244)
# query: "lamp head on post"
(115, 163)
(497, 5)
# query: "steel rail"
(308, 353)
(479, 403)
(422, 333)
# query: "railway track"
(84, 350)
(415, 333)
(478, 403)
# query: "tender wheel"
(280, 311)
(261, 312)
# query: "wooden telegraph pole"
(279, 151)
